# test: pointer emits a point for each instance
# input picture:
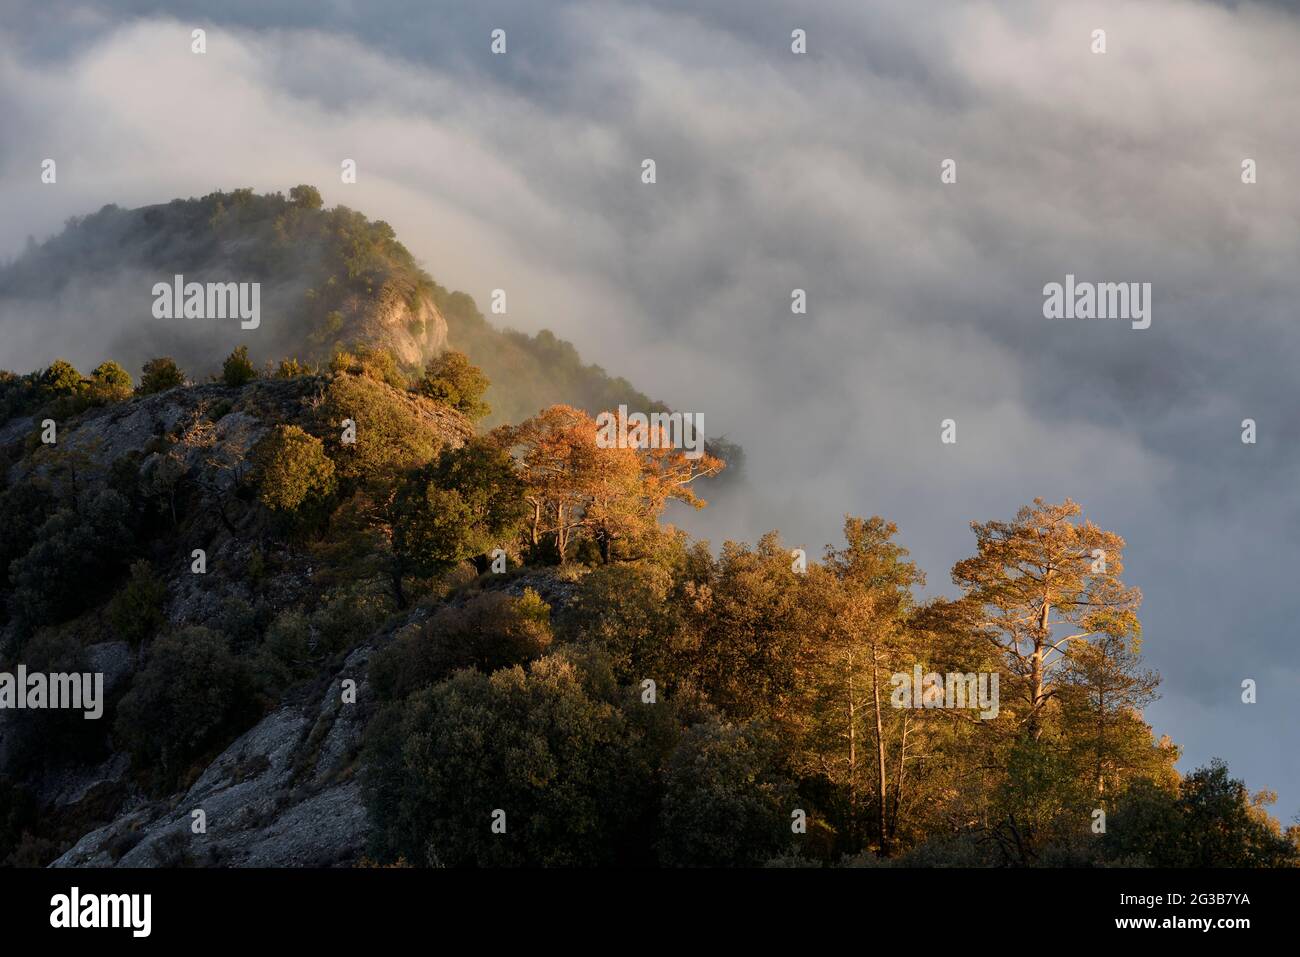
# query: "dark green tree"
(542, 746)
(61, 379)
(467, 503)
(727, 801)
(136, 611)
(295, 476)
(452, 380)
(159, 375)
(490, 631)
(192, 696)
(238, 369)
(306, 197)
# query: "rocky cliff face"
(285, 792)
(411, 329)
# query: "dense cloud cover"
(778, 171)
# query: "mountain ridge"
(331, 279)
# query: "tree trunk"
(395, 576)
(853, 749)
(1101, 734)
(898, 780)
(1041, 638)
(880, 750)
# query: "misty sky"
(820, 171)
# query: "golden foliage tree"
(613, 495)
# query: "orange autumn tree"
(613, 495)
(558, 462)
(626, 503)
(1040, 575)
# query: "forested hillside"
(354, 617)
(330, 279)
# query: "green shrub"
(452, 380)
(159, 375)
(307, 197)
(390, 437)
(490, 631)
(238, 369)
(344, 618)
(290, 369)
(372, 362)
(19, 394)
(76, 555)
(466, 504)
(24, 508)
(626, 611)
(192, 696)
(727, 801)
(61, 379)
(296, 477)
(561, 761)
(286, 654)
(1211, 820)
(111, 383)
(136, 611)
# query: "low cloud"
(818, 172)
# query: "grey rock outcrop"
(285, 794)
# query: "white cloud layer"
(819, 172)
